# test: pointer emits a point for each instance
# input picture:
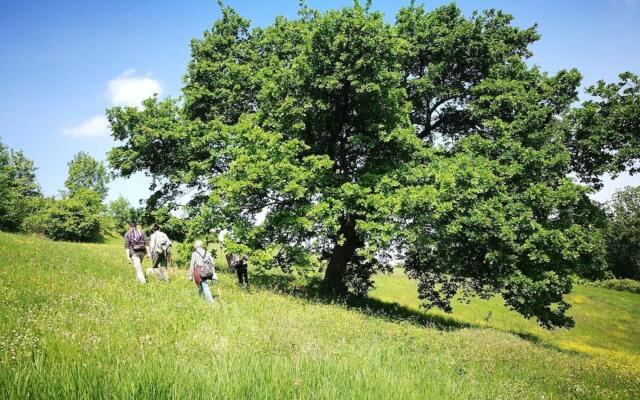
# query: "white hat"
(198, 244)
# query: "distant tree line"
(79, 213)
(622, 233)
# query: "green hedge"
(623, 285)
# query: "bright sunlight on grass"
(75, 324)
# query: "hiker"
(160, 253)
(239, 263)
(202, 270)
(136, 246)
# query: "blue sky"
(63, 62)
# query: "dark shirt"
(236, 261)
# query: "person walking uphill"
(202, 270)
(136, 246)
(160, 252)
(239, 264)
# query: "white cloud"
(126, 89)
(130, 90)
(92, 127)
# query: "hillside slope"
(75, 324)
(607, 321)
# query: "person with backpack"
(136, 246)
(202, 270)
(239, 264)
(160, 253)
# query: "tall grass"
(75, 324)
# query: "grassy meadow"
(607, 321)
(74, 323)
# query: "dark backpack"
(139, 243)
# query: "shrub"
(181, 253)
(76, 218)
(622, 285)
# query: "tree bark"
(341, 255)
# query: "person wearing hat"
(202, 270)
(136, 246)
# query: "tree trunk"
(341, 255)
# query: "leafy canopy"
(340, 141)
(19, 190)
(121, 211)
(85, 172)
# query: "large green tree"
(19, 190)
(85, 172)
(342, 140)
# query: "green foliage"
(496, 211)
(76, 218)
(623, 234)
(174, 227)
(95, 333)
(181, 253)
(35, 221)
(87, 173)
(122, 213)
(340, 140)
(605, 133)
(108, 228)
(622, 285)
(19, 191)
(448, 56)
